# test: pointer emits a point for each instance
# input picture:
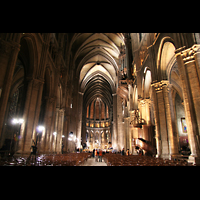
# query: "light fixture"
(40, 128)
(54, 133)
(14, 121)
(20, 121)
(63, 136)
(17, 121)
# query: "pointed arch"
(165, 57)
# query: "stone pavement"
(91, 162)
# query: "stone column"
(54, 145)
(31, 115)
(105, 138)
(167, 145)
(147, 109)
(120, 124)
(127, 134)
(49, 122)
(59, 122)
(133, 132)
(188, 65)
(115, 130)
(157, 124)
(170, 115)
(79, 122)
(161, 133)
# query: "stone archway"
(15, 106)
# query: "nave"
(67, 91)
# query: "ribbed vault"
(95, 59)
(98, 87)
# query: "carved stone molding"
(142, 102)
(188, 55)
(159, 85)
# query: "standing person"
(100, 155)
(127, 152)
(33, 152)
(96, 156)
(15, 142)
(122, 152)
(93, 153)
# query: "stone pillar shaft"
(188, 65)
(167, 145)
(114, 134)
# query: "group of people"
(127, 153)
(122, 152)
(97, 154)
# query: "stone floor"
(91, 162)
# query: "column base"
(165, 156)
(174, 156)
(194, 160)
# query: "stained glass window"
(13, 104)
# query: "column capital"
(178, 51)
(36, 83)
(159, 85)
(141, 102)
(188, 54)
(148, 101)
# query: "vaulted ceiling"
(95, 58)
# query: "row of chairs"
(77, 159)
(69, 159)
(136, 160)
